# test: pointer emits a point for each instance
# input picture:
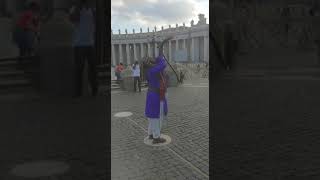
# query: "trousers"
(83, 54)
(135, 81)
(155, 124)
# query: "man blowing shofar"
(156, 104)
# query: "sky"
(136, 14)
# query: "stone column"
(170, 51)
(142, 50)
(156, 50)
(185, 44)
(128, 53)
(192, 49)
(113, 55)
(177, 48)
(177, 45)
(135, 52)
(206, 48)
(120, 54)
(149, 50)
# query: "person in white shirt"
(83, 18)
(136, 76)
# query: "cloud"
(150, 13)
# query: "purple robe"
(152, 109)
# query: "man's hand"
(74, 14)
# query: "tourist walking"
(83, 18)
(26, 31)
(181, 76)
(156, 104)
(118, 70)
(136, 76)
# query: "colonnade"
(196, 48)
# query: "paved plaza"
(67, 131)
(186, 157)
(266, 119)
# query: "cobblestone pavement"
(187, 157)
(267, 128)
(63, 130)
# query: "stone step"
(106, 88)
(115, 88)
(15, 59)
(16, 89)
(142, 84)
(278, 68)
(8, 64)
(17, 93)
(11, 73)
(15, 83)
(275, 72)
(276, 57)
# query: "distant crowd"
(26, 33)
(137, 71)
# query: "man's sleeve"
(74, 14)
(159, 67)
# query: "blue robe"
(152, 109)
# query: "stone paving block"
(274, 125)
(55, 130)
(185, 128)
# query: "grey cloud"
(161, 11)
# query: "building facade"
(10, 8)
(189, 44)
(267, 24)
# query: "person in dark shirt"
(26, 30)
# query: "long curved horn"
(161, 51)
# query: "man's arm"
(158, 67)
(74, 14)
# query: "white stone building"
(190, 44)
